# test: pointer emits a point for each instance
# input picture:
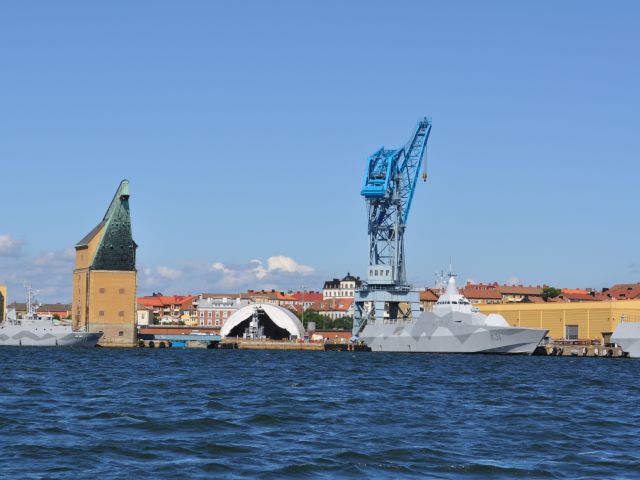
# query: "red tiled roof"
(519, 290)
(428, 295)
(333, 305)
(307, 296)
(481, 292)
(574, 291)
(272, 295)
(580, 297)
(624, 291)
(166, 300)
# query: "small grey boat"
(42, 330)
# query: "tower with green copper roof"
(104, 280)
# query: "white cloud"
(280, 272)
(287, 264)
(169, 273)
(9, 246)
(50, 274)
(220, 266)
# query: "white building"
(213, 311)
(143, 315)
(345, 288)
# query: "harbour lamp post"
(304, 290)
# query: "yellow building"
(569, 320)
(3, 302)
(104, 280)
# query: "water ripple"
(146, 413)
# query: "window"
(101, 313)
(217, 322)
(217, 314)
(121, 291)
(121, 313)
(121, 333)
(102, 290)
(210, 314)
(571, 332)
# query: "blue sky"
(244, 128)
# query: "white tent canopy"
(282, 317)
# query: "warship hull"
(627, 335)
(433, 334)
(58, 336)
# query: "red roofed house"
(272, 296)
(428, 297)
(479, 293)
(623, 291)
(579, 295)
(172, 308)
(334, 308)
(306, 299)
(518, 293)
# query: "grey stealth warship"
(452, 326)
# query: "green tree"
(313, 316)
(550, 292)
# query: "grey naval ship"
(627, 335)
(42, 330)
(453, 326)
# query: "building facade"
(480, 293)
(214, 312)
(104, 279)
(171, 309)
(344, 288)
(520, 293)
(273, 297)
(335, 308)
(594, 320)
(428, 298)
(143, 315)
(61, 310)
(306, 299)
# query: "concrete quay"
(247, 344)
(563, 349)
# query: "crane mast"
(389, 184)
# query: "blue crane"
(389, 184)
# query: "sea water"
(193, 413)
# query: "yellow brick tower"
(104, 280)
(3, 302)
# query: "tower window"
(101, 313)
(121, 291)
(102, 290)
